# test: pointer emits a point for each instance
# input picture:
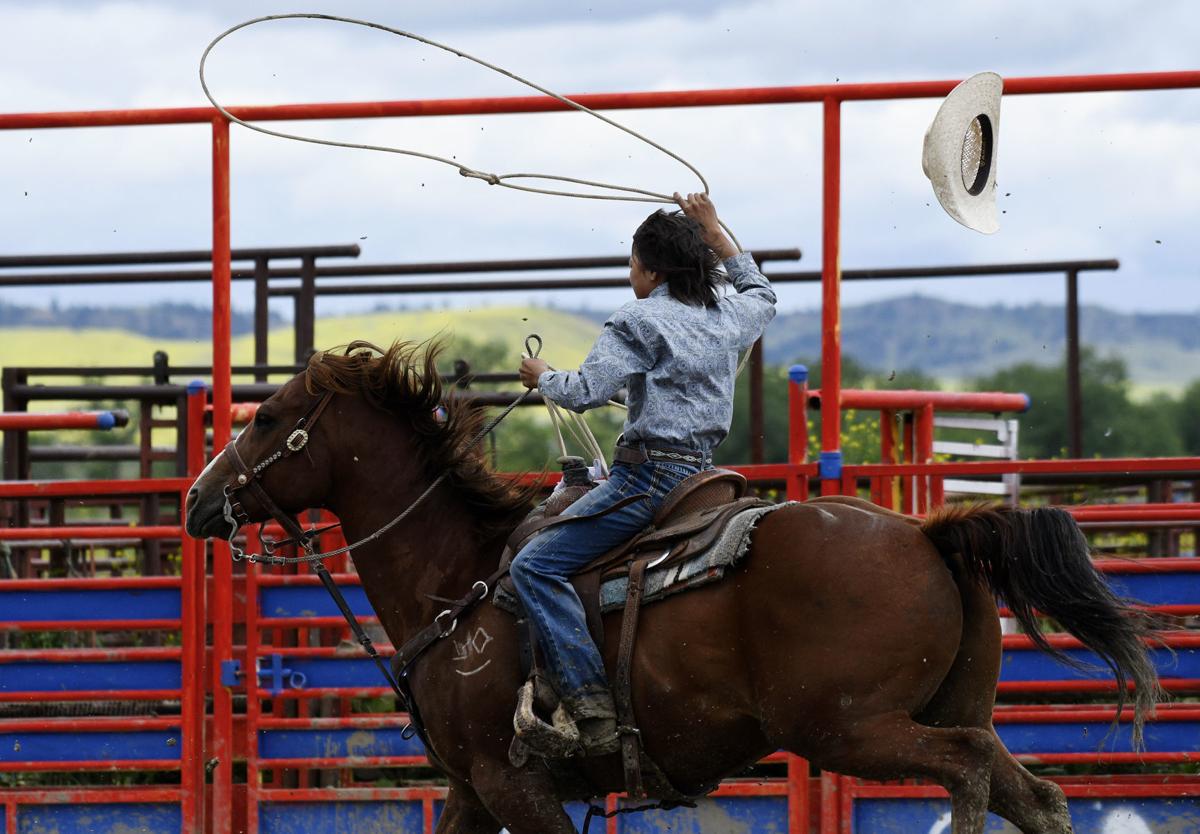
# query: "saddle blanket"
(705, 567)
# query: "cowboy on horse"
(675, 350)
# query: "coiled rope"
(627, 193)
(624, 192)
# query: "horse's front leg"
(465, 814)
(523, 799)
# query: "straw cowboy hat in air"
(960, 152)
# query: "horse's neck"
(435, 550)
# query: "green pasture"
(567, 338)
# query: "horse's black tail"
(1039, 559)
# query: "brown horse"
(865, 642)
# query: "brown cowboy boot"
(596, 717)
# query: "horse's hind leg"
(893, 746)
(465, 814)
(1033, 805)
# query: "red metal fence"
(214, 604)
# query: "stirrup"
(557, 740)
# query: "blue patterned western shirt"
(677, 361)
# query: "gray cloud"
(1090, 176)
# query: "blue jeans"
(541, 574)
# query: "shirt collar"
(660, 290)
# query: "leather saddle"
(693, 516)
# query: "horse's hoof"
(557, 740)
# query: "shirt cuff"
(739, 262)
(544, 377)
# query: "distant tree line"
(1114, 425)
(164, 320)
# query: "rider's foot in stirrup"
(598, 736)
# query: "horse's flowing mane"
(403, 380)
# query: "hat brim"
(966, 191)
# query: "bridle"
(248, 479)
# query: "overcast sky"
(1084, 176)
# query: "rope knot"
(490, 179)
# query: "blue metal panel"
(89, 747)
(321, 672)
(295, 744)
(100, 818)
(305, 601)
(1018, 665)
(722, 815)
(1158, 588)
(1153, 815)
(90, 604)
(391, 817)
(1032, 665)
(39, 676)
(1087, 737)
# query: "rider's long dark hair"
(672, 244)
(1039, 559)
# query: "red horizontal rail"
(1104, 757)
(372, 721)
(598, 101)
(1091, 466)
(345, 761)
(105, 794)
(1161, 785)
(304, 579)
(91, 655)
(1145, 512)
(95, 695)
(1176, 640)
(239, 412)
(1149, 565)
(96, 724)
(755, 787)
(321, 651)
(351, 794)
(67, 489)
(1025, 687)
(82, 531)
(330, 692)
(90, 765)
(34, 421)
(988, 402)
(105, 583)
(310, 622)
(91, 625)
(1078, 713)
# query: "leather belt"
(642, 453)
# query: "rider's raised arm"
(754, 303)
(618, 353)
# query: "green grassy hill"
(567, 338)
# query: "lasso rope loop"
(625, 192)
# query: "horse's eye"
(263, 420)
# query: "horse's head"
(279, 459)
(385, 433)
